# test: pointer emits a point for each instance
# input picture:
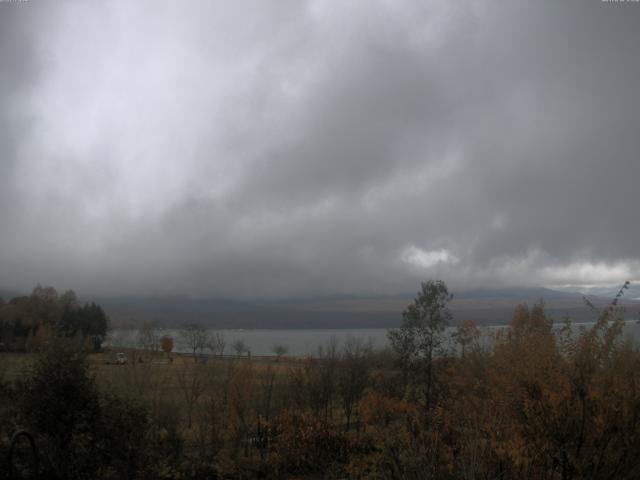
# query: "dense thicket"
(543, 401)
(80, 432)
(28, 322)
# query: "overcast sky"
(277, 149)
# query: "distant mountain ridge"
(484, 306)
(632, 293)
(514, 292)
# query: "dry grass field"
(14, 366)
(156, 377)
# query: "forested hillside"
(30, 322)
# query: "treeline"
(29, 322)
(544, 401)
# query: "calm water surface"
(307, 342)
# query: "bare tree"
(319, 374)
(265, 407)
(279, 350)
(239, 346)
(212, 416)
(148, 338)
(195, 337)
(241, 395)
(353, 376)
(192, 385)
(217, 344)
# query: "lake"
(306, 342)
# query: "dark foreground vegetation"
(543, 403)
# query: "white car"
(117, 359)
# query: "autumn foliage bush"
(305, 443)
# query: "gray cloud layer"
(264, 149)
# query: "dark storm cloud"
(309, 148)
